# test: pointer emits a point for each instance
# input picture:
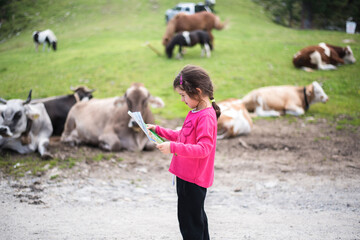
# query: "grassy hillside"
(101, 44)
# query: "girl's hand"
(151, 127)
(164, 147)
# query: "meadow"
(102, 45)
(290, 177)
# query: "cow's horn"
(3, 101)
(29, 98)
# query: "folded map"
(140, 121)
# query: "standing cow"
(273, 101)
(323, 57)
(25, 127)
(45, 37)
(105, 122)
(58, 107)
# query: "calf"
(276, 100)
(105, 122)
(27, 126)
(234, 119)
(59, 107)
(323, 56)
(44, 37)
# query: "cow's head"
(15, 114)
(349, 56)
(137, 99)
(4, 130)
(82, 93)
(316, 93)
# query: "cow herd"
(273, 101)
(27, 125)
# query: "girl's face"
(192, 103)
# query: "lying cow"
(25, 127)
(234, 119)
(276, 100)
(323, 57)
(105, 122)
(59, 107)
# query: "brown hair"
(192, 77)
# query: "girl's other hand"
(164, 147)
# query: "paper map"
(140, 121)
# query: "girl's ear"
(199, 91)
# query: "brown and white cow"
(323, 56)
(274, 101)
(105, 122)
(234, 119)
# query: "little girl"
(193, 148)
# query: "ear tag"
(35, 116)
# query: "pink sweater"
(194, 147)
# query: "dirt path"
(286, 180)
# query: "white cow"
(25, 127)
(276, 100)
(234, 119)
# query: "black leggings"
(191, 214)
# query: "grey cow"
(105, 122)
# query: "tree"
(307, 14)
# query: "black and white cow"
(45, 37)
(190, 39)
(105, 122)
(58, 107)
(24, 127)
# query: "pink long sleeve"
(204, 141)
(194, 148)
(169, 134)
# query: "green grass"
(31, 164)
(101, 43)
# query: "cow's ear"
(120, 101)
(156, 102)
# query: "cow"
(190, 39)
(25, 127)
(234, 119)
(43, 37)
(323, 56)
(106, 124)
(274, 101)
(58, 107)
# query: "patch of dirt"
(286, 180)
